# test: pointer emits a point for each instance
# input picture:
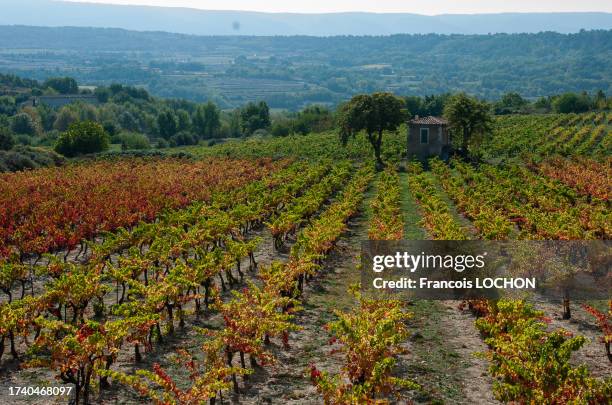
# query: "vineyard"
(234, 277)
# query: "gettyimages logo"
(412, 263)
(487, 269)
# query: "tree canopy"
(6, 139)
(572, 103)
(167, 124)
(255, 116)
(63, 85)
(207, 120)
(467, 116)
(372, 114)
(81, 138)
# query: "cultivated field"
(232, 278)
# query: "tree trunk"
(464, 141)
(376, 141)
(170, 320)
(229, 364)
(239, 269)
(222, 282)
(567, 313)
(243, 365)
(137, 355)
(181, 316)
(104, 380)
(253, 361)
(13, 350)
(87, 378)
(160, 338)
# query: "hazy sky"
(408, 6)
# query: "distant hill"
(293, 71)
(201, 22)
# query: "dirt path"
(412, 217)
(445, 339)
(288, 382)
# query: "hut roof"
(428, 120)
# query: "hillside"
(293, 71)
(203, 22)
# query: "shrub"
(571, 103)
(130, 140)
(214, 142)
(110, 128)
(12, 161)
(23, 140)
(25, 157)
(7, 141)
(280, 128)
(183, 138)
(64, 119)
(24, 124)
(49, 139)
(162, 144)
(260, 133)
(81, 138)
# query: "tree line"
(131, 117)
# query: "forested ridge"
(293, 71)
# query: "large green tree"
(183, 120)
(372, 114)
(467, 116)
(24, 124)
(167, 123)
(63, 85)
(81, 138)
(572, 103)
(6, 139)
(510, 103)
(64, 119)
(206, 120)
(254, 116)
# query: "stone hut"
(428, 137)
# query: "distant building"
(428, 137)
(61, 100)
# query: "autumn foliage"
(56, 208)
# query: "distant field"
(291, 72)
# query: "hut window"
(424, 135)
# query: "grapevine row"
(540, 208)
(387, 222)
(56, 208)
(523, 354)
(587, 177)
(170, 287)
(437, 217)
(253, 316)
(303, 207)
(372, 334)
